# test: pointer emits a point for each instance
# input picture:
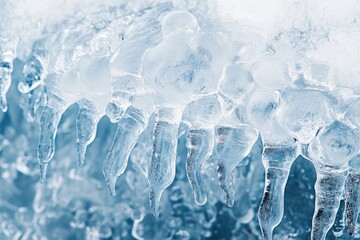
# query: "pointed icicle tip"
(232, 145)
(86, 123)
(3, 104)
(111, 183)
(127, 134)
(155, 197)
(43, 171)
(226, 183)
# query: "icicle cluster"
(188, 67)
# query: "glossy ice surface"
(161, 119)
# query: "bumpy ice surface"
(155, 119)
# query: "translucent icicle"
(6, 67)
(33, 100)
(33, 68)
(331, 151)
(339, 224)
(352, 195)
(86, 123)
(200, 145)
(127, 134)
(163, 162)
(232, 145)
(277, 160)
(49, 122)
(329, 187)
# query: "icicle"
(277, 160)
(49, 122)
(339, 224)
(200, 145)
(33, 69)
(232, 145)
(352, 195)
(329, 187)
(33, 100)
(86, 123)
(331, 151)
(127, 134)
(6, 67)
(163, 162)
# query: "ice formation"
(233, 81)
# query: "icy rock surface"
(161, 119)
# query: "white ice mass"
(197, 91)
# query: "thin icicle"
(34, 68)
(49, 122)
(6, 67)
(200, 146)
(339, 224)
(33, 101)
(277, 160)
(329, 187)
(127, 134)
(163, 162)
(352, 195)
(86, 123)
(232, 145)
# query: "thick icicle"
(86, 123)
(49, 122)
(127, 134)
(331, 151)
(352, 195)
(200, 145)
(232, 145)
(6, 67)
(329, 187)
(200, 115)
(163, 162)
(277, 160)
